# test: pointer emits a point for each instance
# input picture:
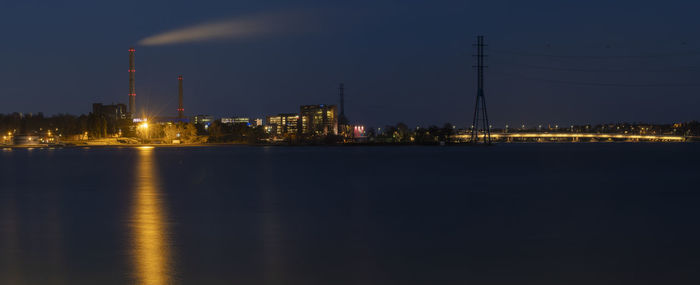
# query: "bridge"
(575, 137)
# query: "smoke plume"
(237, 28)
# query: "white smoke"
(237, 28)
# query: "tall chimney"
(132, 84)
(180, 109)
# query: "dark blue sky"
(404, 61)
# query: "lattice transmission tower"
(480, 123)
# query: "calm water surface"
(510, 214)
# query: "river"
(605, 213)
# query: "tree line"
(61, 124)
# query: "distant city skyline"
(547, 62)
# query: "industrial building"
(114, 116)
(318, 119)
(112, 112)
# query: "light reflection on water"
(150, 239)
(350, 215)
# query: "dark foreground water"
(510, 214)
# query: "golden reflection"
(150, 239)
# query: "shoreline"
(45, 146)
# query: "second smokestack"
(132, 83)
(180, 109)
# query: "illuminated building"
(282, 124)
(7, 139)
(235, 120)
(359, 131)
(318, 119)
(241, 120)
(203, 119)
(47, 137)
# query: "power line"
(651, 55)
(601, 84)
(676, 69)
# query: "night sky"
(556, 62)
